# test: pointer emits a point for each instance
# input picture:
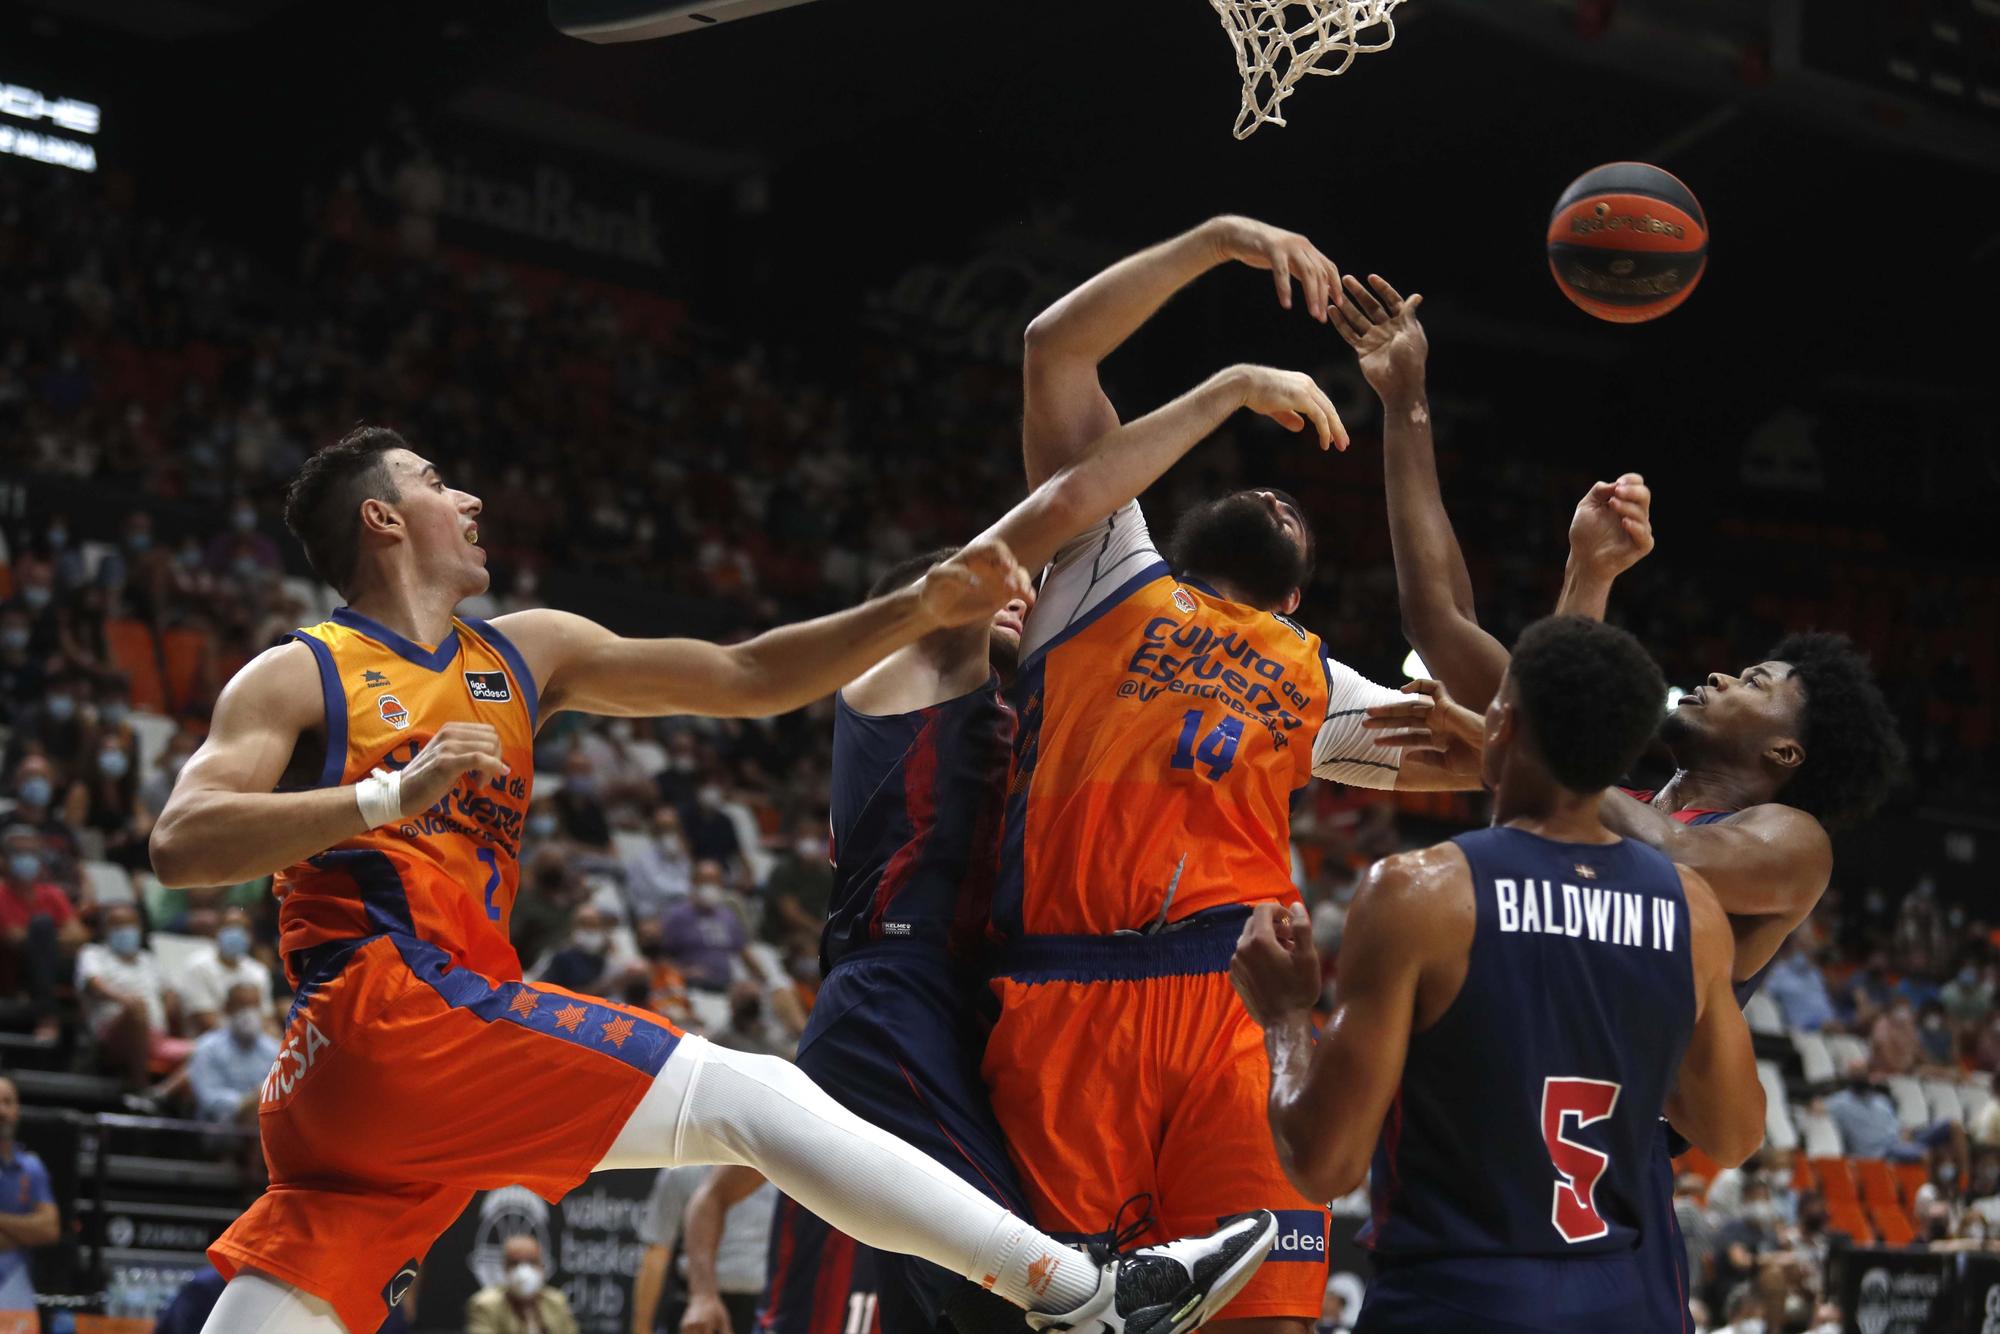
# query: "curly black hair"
(1854, 750)
(1591, 695)
(320, 503)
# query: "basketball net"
(1279, 42)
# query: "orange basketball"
(1627, 242)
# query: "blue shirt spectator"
(1799, 987)
(28, 1216)
(704, 935)
(1867, 1120)
(229, 1063)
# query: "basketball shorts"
(1126, 1065)
(405, 1085)
(822, 1281)
(1503, 1295)
(895, 1038)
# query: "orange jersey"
(447, 875)
(1163, 729)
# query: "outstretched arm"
(1433, 586)
(1066, 407)
(1611, 532)
(1124, 461)
(1718, 1101)
(1328, 1099)
(580, 665)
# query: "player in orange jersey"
(1168, 711)
(380, 765)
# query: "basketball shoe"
(1168, 1289)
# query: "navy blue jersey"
(916, 822)
(1528, 1114)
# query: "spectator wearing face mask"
(748, 1028)
(705, 936)
(661, 873)
(241, 551)
(589, 960)
(1937, 1042)
(549, 895)
(40, 934)
(711, 833)
(1745, 1311)
(215, 972)
(37, 802)
(522, 1302)
(800, 885)
(1799, 987)
(157, 786)
(125, 1002)
(57, 726)
(110, 799)
(577, 805)
(1893, 1042)
(21, 678)
(1869, 1128)
(34, 601)
(227, 1070)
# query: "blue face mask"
(36, 596)
(138, 543)
(24, 865)
(113, 713)
(232, 942)
(113, 763)
(244, 520)
(14, 639)
(123, 940)
(61, 707)
(58, 538)
(34, 791)
(189, 557)
(542, 826)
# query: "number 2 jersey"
(446, 875)
(1163, 730)
(1527, 1116)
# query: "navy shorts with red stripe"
(821, 1281)
(895, 1037)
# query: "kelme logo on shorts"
(393, 712)
(1301, 1234)
(489, 687)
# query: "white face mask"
(590, 942)
(245, 1023)
(524, 1280)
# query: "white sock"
(255, 1303)
(714, 1105)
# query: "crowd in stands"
(682, 864)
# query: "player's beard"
(1004, 652)
(1238, 541)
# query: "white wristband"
(380, 797)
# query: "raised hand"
(455, 750)
(971, 586)
(1381, 326)
(1276, 967)
(1291, 399)
(1287, 255)
(1612, 529)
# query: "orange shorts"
(404, 1086)
(1110, 1083)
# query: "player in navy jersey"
(1766, 761)
(921, 754)
(1514, 1010)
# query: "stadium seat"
(1836, 1180)
(1779, 1132)
(1878, 1183)
(1974, 1092)
(1814, 1056)
(1821, 1138)
(152, 731)
(1941, 1095)
(1699, 1163)
(1802, 1174)
(1849, 1218)
(134, 653)
(106, 883)
(1892, 1225)
(1911, 1177)
(1911, 1109)
(185, 651)
(1846, 1049)
(1764, 1016)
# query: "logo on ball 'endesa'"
(393, 712)
(1602, 219)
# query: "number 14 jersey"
(1163, 729)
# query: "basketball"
(1627, 242)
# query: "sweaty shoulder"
(1426, 893)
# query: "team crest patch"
(1184, 600)
(393, 712)
(489, 687)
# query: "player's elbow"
(1321, 1166)
(177, 858)
(1743, 1134)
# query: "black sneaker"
(1173, 1288)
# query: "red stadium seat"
(1836, 1182)
(1892, 1224)
(1694, 1160)
(135, 653)
(1848, 1218)
(1878, 1186)
(1911, 1176)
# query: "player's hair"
(1212, 540)
(1591, 696)
(1854, 751)
(320, 503)
(908, 570)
